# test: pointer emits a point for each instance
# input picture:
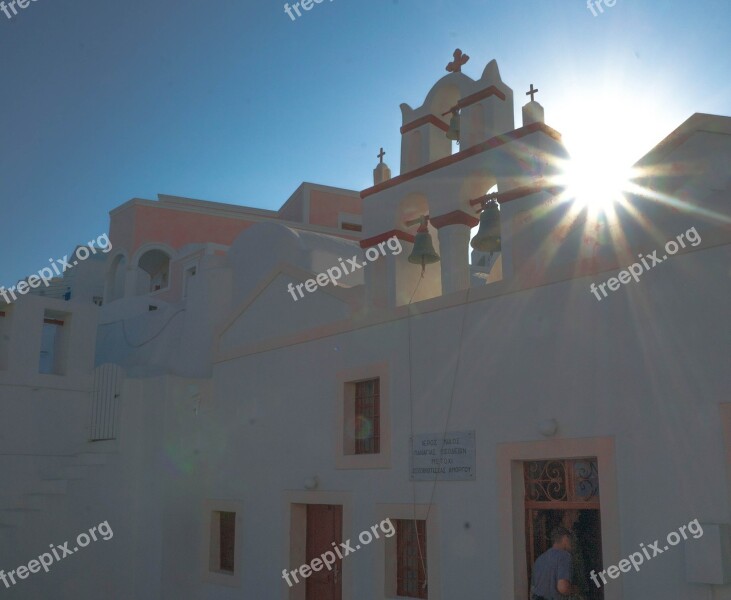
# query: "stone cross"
(459, 59)
(531, 92)
(380, 155)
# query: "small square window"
(411, 578)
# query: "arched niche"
(153, 269)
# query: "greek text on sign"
(448, 457)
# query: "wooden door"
(324, 527)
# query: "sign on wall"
(444, 457)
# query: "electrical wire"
(446, 424)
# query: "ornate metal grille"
(565, 482)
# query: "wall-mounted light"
(548, 428)
(311, 483)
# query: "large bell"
(488, 235)
(453, 132)
(423, 253)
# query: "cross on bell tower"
(532, 111)
(381, 173)
(459, 59)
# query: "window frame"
(211, 543)
(385, 572)
(402, 551)
(344, 393)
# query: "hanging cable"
(446, 424)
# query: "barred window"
(411, 577)
(367, 417)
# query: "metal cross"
(459, 59)
(531, 92)
(381, 154)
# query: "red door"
(324, 526)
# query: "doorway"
(324, 528)
(565, 493)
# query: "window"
(351, 226)
(223, 541)
(411, 579)
(98, 300)
(367, 425)
(362, 414)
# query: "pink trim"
(427, 119)
(456, 217)
(486, 93)
(495, 142)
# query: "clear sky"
(232, 101)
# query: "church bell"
(488, 235)
(423, 253)
(453, 132)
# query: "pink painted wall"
(325, 207)
(137, 225)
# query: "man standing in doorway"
(551, 578)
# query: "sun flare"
(596, 182)
(604, 148)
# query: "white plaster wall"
(645, 366)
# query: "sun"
(604, 139)
(596, 179)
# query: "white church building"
(233, 413)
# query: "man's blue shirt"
(550, 566)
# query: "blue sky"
(231, 101)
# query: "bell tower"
(480, 110)
(444, 193)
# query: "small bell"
(488, 235)
(453, 132)
(423, 253)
